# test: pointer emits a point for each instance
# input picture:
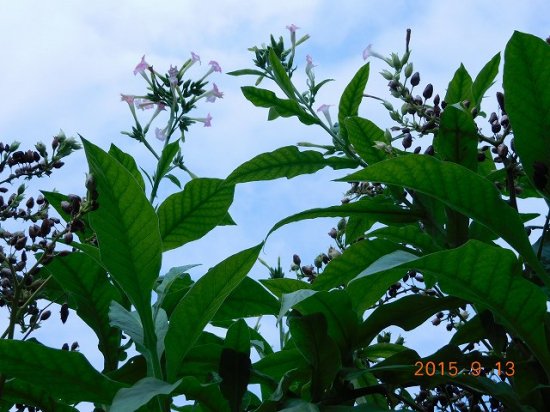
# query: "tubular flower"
(160, 134)
(141, 67)
(173, 76)
(213, 94)
(324, 108)
(368, 52)
(206, 120)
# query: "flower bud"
(30, 203)
(492, 118)
(308, 271)
(387, 105)
(436, 321)
(66, 206)
(408, 70)
(415, 79)
(65, 346)
(341, 224)
(466, 104)
(74, 346)
(55, 142)
(428, 91)
(386, 74)
(318, 261)
(333, 253)
(417, 150)
(90, 182)
(481, 156)
(68, 238)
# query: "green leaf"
(526, 79)
(356, 227)
(460, 87)
(190, 214)
(17, 391)
(363, 135)
(318, 348)
(173, 179)
(131, 399)
(168, 153)
(126, 227)
(490, 277)
(244, 72)
(293, 298)
(485, 79)
(65, 375)
(457, 138)
(130, 323)
(55, 199)
(249, 299)
(407, 235)
(285, 108)
(128, 162)
(399, 313)
(355, 258)
(457, 187)
(281, 286)
(87, 284)
(280, 75)
(286, 162)
(279, 363)
(208, 395)
(352, 97)
(235, 364)
(202, 302)
(168, 280)
(383, 210)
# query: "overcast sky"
(65, 63)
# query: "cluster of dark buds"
(461, 399)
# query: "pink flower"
(161, 106)
(141, 67)
(207, 120)
(144, 104)
(309, 65)
(214, 66)
(160, 134)
(127, 98)
(173, 76)
(324, 108)
(195, 57)
(368, 52)
(292, 28)
(213, 94)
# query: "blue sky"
(66, 63)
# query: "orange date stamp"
(431, 368)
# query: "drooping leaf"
(460, 189)
(527, 101)
(86, 282)
(286, 162)
(485, 79)
(285, 107)
(127, 228)
(381, 209)
(190, 214)
(201, 303)
(131, 399)
(352, 97)
(318, 348)
(128, 162)
(65, 375)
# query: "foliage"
(417, 239)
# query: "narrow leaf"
(168, 153)
(485, 79)
(280, 75)
(352, 97)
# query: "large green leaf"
(286, 162)
(17, 391)
(407, 235)
(363, 135)
(460, 87)
(485, 79)
(378, 208)
(355, 258)
(526, 79)
(86, 283)
(190, 214)
(128, 162)
(460, 189)
(65, 375)
(249, 299)
(131, 399)
(127, 228)
(279, 363)
(284, 107)
(235, 364)
(352, 97)
(490, 277)
(280, 286)
(201, 303)
(318, 348)
(399, 313)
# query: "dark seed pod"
(68, 238)
(481, 157)
(58, 165)
(45, 227)
(502, 150)
(436, 321)
(504, 121)
(449, 327)
(417, 150)
(74, 346)
(443, 104)
(64, 312)
(407, 141)
(466, 103)
(67, 207)
(30, 203)
(333, 233)
(429, 150)
(428, 91)
(65, 346)
(308, 270)
(437, 99)
(296, 259)
(415, 79)
(45, 315)
(495, 127)
(500, 99)
(40, 200)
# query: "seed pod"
(504, 121)
(67, 207)
(65, 346)
(318, 261)
(502, 150)
(296, 259)
(495, 127)
(429, 150)
(428, 91)
(436, 321)
(68, 238)
(500, 100)
(466, 103)
(45, 315)
(481, 157)
(74, 346)
(407, 141)
(64, 312)
(417, 150)
(436, 100)
(415, 79)
(308, 270)
(45, 228)
(21, 242)
(333, 233)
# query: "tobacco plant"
(420, 237)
